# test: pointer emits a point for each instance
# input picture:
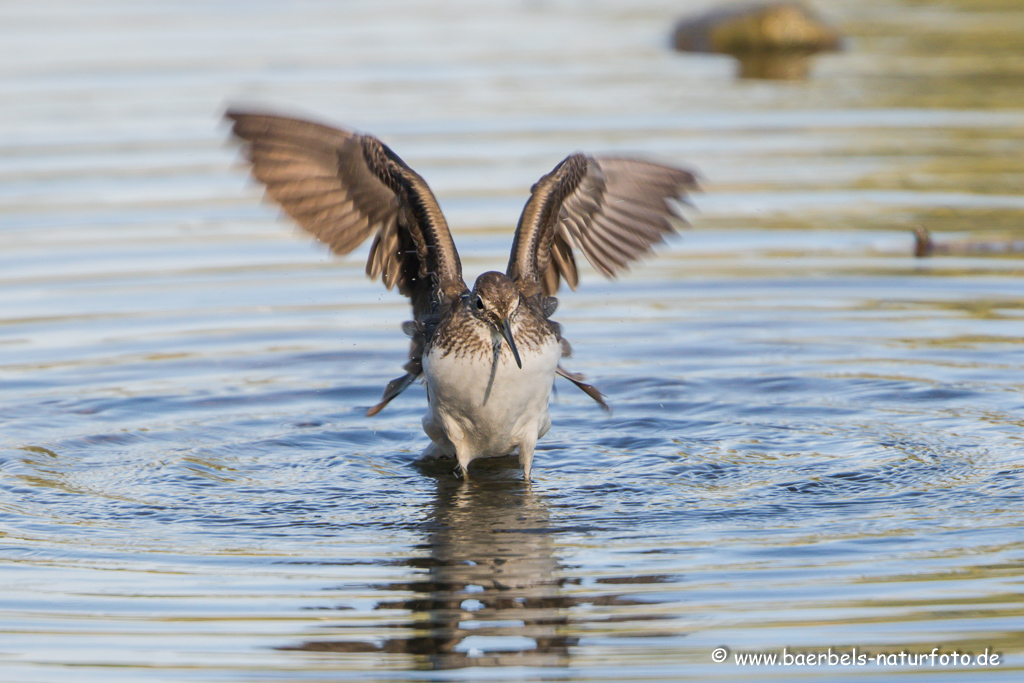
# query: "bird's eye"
(479, 304)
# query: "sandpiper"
(489, 355)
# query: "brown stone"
(756, 29)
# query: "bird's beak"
(506, 332)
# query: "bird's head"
(495, 300)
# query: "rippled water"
(817, 440)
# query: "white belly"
(473, 415)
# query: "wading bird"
(489, 355)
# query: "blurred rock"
(771, 40)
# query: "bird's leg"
(462, 470)
(526, 457)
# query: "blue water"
(816, 439)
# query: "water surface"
(816, 439)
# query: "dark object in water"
(770, 40)
(924, 245)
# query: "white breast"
(479, 408)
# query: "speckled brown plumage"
(343, 187)
(462, 334)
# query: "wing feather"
(342, 187)
(613, 209)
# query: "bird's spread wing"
(343, 187)
(612, 209)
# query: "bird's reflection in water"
(490, 594)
